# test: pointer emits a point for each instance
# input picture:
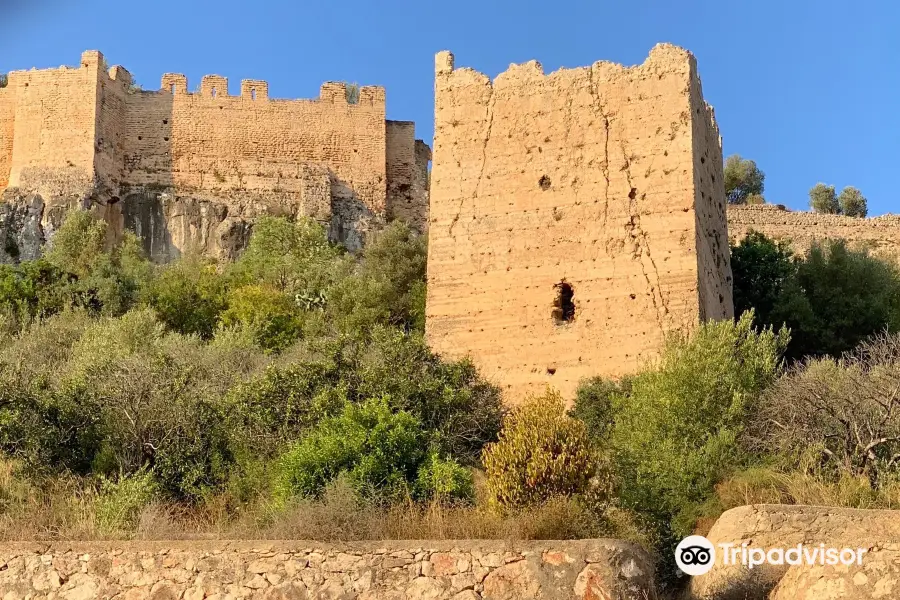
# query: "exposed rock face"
(586, 570)
(778, 526)
(877, 577)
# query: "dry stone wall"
(88, 136)
(588, 570)
(604, 182)
(881, 234)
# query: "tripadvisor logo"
(696, 555)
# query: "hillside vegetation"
(291, 394)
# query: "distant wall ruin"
(880, 235)
(88, 135)
(575, 218)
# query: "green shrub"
(676, 431)
(594, 405)
(33, 290)
(188, 296)
(77, 244)
(388, 284)
(541, 453)
(269, 313)
(831, 299)
(379, 450)
(444, 478)
(102, 280)
(293, 258)
(120, 503)
(281, 404)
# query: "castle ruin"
(575, 218)
(190, 170)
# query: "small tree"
(541, 453)
(852, 202)
(837, 417)
(822, 199)
(742, 179)
(4, 80)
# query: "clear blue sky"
(809, 89)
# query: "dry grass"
(769, 486)
(68, 509)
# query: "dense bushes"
(831, 298)
(675, 430)
(295, 387)
(202, 378)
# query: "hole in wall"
(633, 193)
(544, 182)
(551, 370)
(564, 305)
(214, 92)
(165, 139)
(172, 89)
(140, 138)
(165, 121)
(253, 94)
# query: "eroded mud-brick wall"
(575, 218)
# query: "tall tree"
(742, 179)
(823, 199)
(852, 202)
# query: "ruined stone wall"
(211, 142)
(713, 255)
(113, 92)
(55, 128)
(584, 177)
(468, 570)
(7, 130)
(881, 234)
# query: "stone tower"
(575, 218)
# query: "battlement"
(216, 86)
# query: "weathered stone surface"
(86, 136)
(877, 577)
(881, 235)
(604, 178)
(780, 526)
(307, 570)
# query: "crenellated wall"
(88, 135)
(218, 144)
(605, 179)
